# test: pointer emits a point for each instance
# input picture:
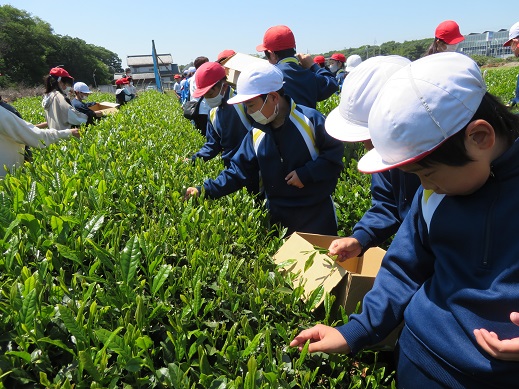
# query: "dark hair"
(281, 54)
(453, 152)
(281, 93)
(51, 83)
(199, 61)
(433, 48)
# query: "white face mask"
(262, 119)
(214, 102)
(451, 48)
(334, 67)
(67, 90)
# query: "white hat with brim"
(349, 121)
(512, 34)
(257, 80)
(420, 107)
(82, 88)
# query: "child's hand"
(322, 338)
(293, 179)
(190, 192)
(345, 248)
(506, 349)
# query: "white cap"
(256, 80)
(352, 61)
(512, 34)
(349, 121)
(81, 87)
(421, 106)
(191, 69)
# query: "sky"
(187, 30)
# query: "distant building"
(143, 73)
(488, 43)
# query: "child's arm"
(322, 338)
(506, 349)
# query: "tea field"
(109, 279)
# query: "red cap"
(339, 57)
(60, 72)
(177, 76)
(319, 59)
(277, 38)
(449, 32)
(225, 54)
(207, 75)
(122, 81)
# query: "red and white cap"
(277, 38)
(349, 121)
(420, 107)
(257, 80)
(122, 81)
(225, 54)
(319, 59)
(207, 75)
(339, 57)
(60, 73)
(449, 32)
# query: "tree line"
(29, 49)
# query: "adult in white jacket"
(15, 133)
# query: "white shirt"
(15, 133)
(204, 108)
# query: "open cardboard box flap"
(236, 63)
(351, 279)
(105, 107)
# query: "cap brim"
(508, 42)
(261, 47)
(199, 92)
(344, 130)
(241, 98)
(372, 161)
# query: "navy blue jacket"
(453, 267)
(226, 128)
(83, 108)
(392, 193)
(307, 86)
(300, 144)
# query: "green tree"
(23, 45)
(29, 48)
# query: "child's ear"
(480, 134)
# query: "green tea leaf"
(28, 311)
(160, 278)
(92, 226)
(72, 326)
(310, 261)
(130, 258)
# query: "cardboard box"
(235, 64)
(349, 281)
(105, 107)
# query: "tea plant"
(109, 279)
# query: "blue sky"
(188, 29)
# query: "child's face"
(451, 180)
